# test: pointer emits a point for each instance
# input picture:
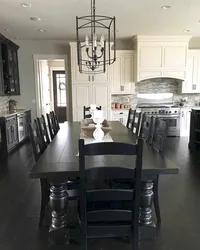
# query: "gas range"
(160, 111)
(161, 105)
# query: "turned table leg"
(58, 203)
(147, 225)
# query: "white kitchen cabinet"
(161, 56)
(122, 73)
(84, 95)
(81, 96)
(78, 77)
(120, 115)
(192, 82)
(185, 122)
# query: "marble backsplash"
(158, 85)
(4, 104)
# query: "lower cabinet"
(84, 95)
(11, 132)
(121, 116)
(185, 122)
(14, 129)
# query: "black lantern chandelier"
(93, 54)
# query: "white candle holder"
(98, 118)
(93, 107)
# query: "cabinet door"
(117, 75)
(150, 57)
(77, 76)
(103, 77)
(185, 122)
(82, 96)
(174, 57)
(128, 74)
(101, 95)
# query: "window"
(61, 90)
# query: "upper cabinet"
(9, 67)
(78, 77)
(192, 81)
(122, 73)
(160, 57)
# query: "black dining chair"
(147, 127)
(55, 121)
(86, 111)
(43, 131)
(159, 136)
(131, 118)
(37, 151)
(112, 219)
(51, 125)
(137, 123)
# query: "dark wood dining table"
(59, 163)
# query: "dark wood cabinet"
(10, 68)
(11, 132)
(27, 119)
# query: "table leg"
(58, 203)
(147, 225)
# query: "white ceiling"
(133, 17)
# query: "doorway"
(59, 92)
(52, 89)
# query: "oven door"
(173, 123)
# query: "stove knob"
(170, 112)
(152, 112)
(156, 112)
(148, 112)
(175, 111)
(166, 112)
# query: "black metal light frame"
(95, 63)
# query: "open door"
(43, 104)
(60, 95)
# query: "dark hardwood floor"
(179, 201)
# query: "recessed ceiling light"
(166, 7)
(35, 18)
(42, 30)
(26, 5)
(186, 31)
(6, 29)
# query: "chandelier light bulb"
(95, 40)
(87, 41)
(102, 41)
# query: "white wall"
(26, 69)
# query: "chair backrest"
(137, 123)
(55, 120)
(146, 130)
(86, 111)
(43, 131)
(131, 118)
(35, 139)
(159, 134)
(51, 125)
(109, 221)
